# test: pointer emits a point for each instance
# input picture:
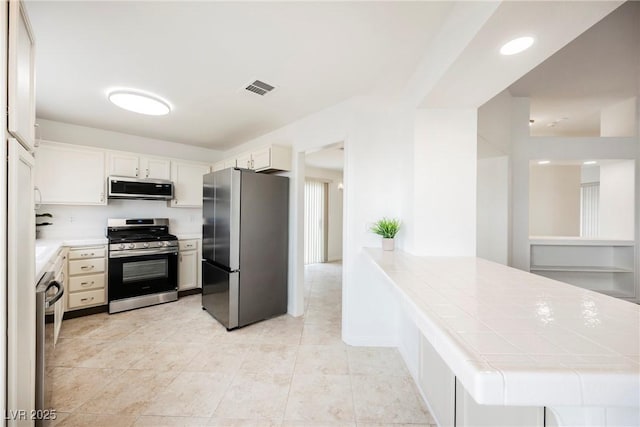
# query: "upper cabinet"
(266, 159)
(224, 164)
(21, 76)
(70, 174)
(187, 182)
(132, 165)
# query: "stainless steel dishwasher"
(48, 293)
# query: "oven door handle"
(141, 252)
(54, 299)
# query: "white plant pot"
(388, 244)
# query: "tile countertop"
(188, 236)
(46, 249)
(516, 338)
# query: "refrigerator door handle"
(234, 238)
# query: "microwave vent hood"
(124, 187)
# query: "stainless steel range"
(143, 263)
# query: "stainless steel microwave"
(122, 187)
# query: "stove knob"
(121, 246)
(145, 245)
(132, 245)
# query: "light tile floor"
(174, 365)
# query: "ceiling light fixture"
(590, 162)
(544, 162)
(139, 102)
(517, 45)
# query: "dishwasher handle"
(51, 301)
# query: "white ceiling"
(200, 55)
(598, 69)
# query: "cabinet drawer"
(188, 245)
(86, 266)
(86, 298)
(84, 283)
(98, 252)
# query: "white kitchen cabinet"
(188, 264)
(270, 158)
(21, 76)
(70, 175)
(87, 268)
(244, 161)
(224, 164)
(187, 182)
(21, 296)
(133, 165)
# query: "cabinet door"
(70, 175)
(124, 164)
(261, 159)
(21, 297)
(188, 270)
(21, 76)
(187, 181)
(244, 161)
(156, 168)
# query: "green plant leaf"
(386, 227)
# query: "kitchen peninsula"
(500, 346)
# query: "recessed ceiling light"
(544, 162)
(590, 162)
(516, 45)
(139, 102)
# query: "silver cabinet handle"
(87, 283)
(137, 171)
(86, 299)
(87, 267)
(147, 173)
(101, 197)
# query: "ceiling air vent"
(261, 88)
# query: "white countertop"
(515, 338)
(46, 249)
(188, 236)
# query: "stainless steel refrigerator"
(244, 246)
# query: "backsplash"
(70, 222)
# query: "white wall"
(444, 182)
(93, 137)
(617, 208)
(554, 200)
(619, 119)
(334, 208)
(493, 209)
(71, 222)
(494, 180)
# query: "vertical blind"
(589, 205)
(314, 221)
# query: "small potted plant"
(387, 228)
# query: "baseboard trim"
(188, 292)
(85, 312)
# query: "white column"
(444, 211)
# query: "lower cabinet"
(87, 277)
(451, 405)
(189, 264)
